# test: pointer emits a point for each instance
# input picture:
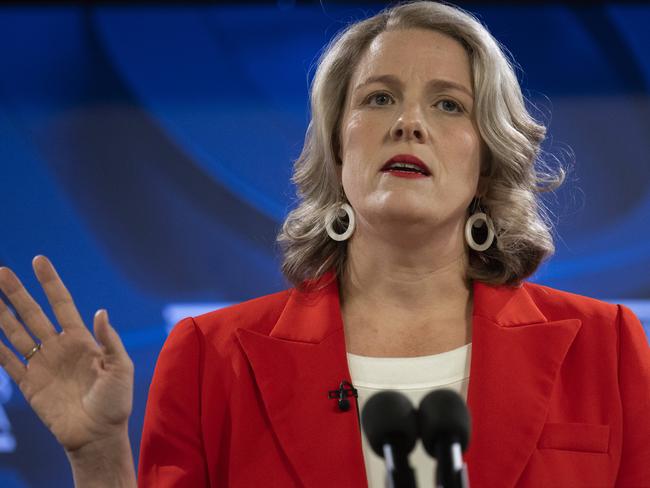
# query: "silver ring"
(32, 351)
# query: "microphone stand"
(451, 472)
(399, 473)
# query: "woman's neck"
(405, 301)
(421, 276)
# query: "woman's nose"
(409, 126)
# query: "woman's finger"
(14, 330)
(30, 312)
(11, 364)
(57, 294)
(108, 337)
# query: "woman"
(417, 225)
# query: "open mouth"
(406, 164)
(405, 168)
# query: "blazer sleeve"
(171, 450)
(634, 383)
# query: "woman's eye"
(450, 106)
(381, 98)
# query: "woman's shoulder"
(217, 330)
(558, 304)
(258, 314)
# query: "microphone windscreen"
(443, 418)
(388, 417)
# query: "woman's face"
(422, 106)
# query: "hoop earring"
(469, 225)
(335, 213)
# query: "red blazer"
(559, 395)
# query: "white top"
(414, 377)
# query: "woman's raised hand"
(81, 389)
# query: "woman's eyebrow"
(435, 84)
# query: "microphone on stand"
(444, 425)
(390, 424)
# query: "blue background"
(147, 151)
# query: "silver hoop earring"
(335, 213)
(469, 225)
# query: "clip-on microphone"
(345, 390)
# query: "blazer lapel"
(295, 366)
(516, 357)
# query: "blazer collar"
(516, 357)
(310, 316)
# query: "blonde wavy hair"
(516, 174)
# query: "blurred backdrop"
(147, 150)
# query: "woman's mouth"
(407, 166)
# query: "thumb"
(108, 337)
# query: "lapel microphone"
(344, 391)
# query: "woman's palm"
(82, 391)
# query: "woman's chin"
(403, 219)
(404, 208)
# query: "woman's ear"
(336, 147)
(486, 160)
(482, 187)
(485, 173)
